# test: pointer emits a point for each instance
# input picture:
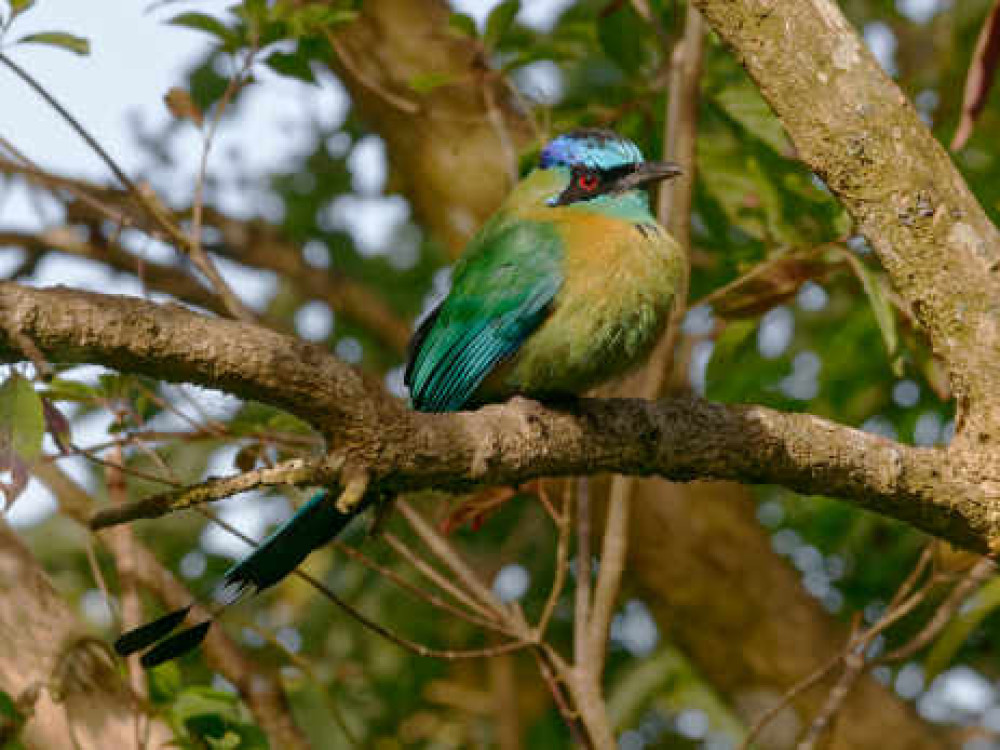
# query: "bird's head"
(599, 166)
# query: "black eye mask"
(586, 183)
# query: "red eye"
(587, 181)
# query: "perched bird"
(567, 285)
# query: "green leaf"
(203, 701)
(310, 20)
(291, 65)
(760, 191)
(620, 34)
(499, 21)
(22, 420)
(60, 39)
(7, 707)
(208, 24)
(424, 83)
(743, 103)
(876, 286)
(17, 7)
(985, 601)
(165, 682)
(11, 722)
(216, 720)
(252, 11)
(229, 741)
(59, 389)
(462, 24)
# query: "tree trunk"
(719, 592)
(64, 680)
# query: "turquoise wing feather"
(501, 292)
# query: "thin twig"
(581, 603)
(32, 82)
(564, 522)
(902, 604)
(195, 250)
(428, 596)
(979, 572)
(447, 555)
(405, 643)
(399, 102)
(35, 175)
(552, 680)
(295, 472)
(609, 575)
(925, 561)
(76, 451)
(147, 201)
(790, 695)
(854, 665)
(435, 577)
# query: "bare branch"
(290, 473)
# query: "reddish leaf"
(247, 457)
(182, 106)
(477, 509)
(56, 425)
(11, 463)
(982, 70)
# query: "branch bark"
(682, 439)
(854, 127)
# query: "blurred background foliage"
(813, 328)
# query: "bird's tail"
(313, 525)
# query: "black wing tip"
(146, 635)
(177, 645)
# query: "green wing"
(501, 292)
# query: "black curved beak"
(649, 172)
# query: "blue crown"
(592, 148)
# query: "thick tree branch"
(854, 127)
(680, 439)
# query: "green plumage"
(548, 300)
(501, 293)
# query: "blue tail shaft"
(316, 523)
